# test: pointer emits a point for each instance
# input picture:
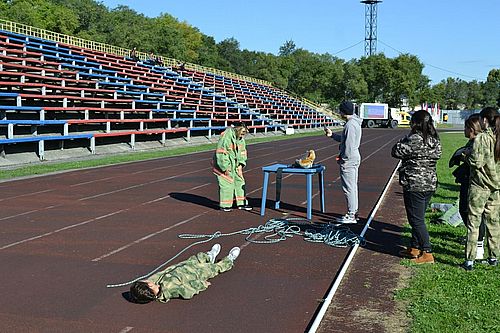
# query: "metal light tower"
(370, 26)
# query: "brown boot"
(409, 252)
(424, 258)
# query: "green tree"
(287, 48)
(41, 13)
(229, 50)
(379, 74)
(208, 54)
(490, 94)
(494, 76)
(353, 86)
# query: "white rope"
(279, 230)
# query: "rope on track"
(279, 229)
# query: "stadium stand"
(54, 95)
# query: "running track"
(64, 237)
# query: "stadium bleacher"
(57, 92)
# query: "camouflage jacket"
(485, 172)
(418, 162)
(230, 151)
(187, 278)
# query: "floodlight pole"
(370, 26)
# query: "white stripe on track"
(364, 159)
(122, 210)
(88, 221)
(137, 241)
(61, 229)
(324, 307)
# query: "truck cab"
(404, 118)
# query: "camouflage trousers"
(483, 204)
(199, 267)
(189, 277)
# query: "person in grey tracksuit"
(349, 158)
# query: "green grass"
(51, 167)
(442, 297)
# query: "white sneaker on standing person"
(349, 158)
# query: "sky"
(452, 38)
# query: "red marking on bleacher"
(147, 132)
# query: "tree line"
(322, 78)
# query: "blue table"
(286, 169)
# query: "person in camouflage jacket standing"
(183, 280)
(229, 160)
(484, 190)
(419, 152)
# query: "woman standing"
(419, 152)
(229, 160)
(472, 127)
(484, 190)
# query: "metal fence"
(106, 48)
(458, 116)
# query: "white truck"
(378, 114)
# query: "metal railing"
(27, 30)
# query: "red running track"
(66, 236)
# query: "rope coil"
(279, 229)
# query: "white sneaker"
(234, 253)
(348, 218)
(214, 252)
(480, 251)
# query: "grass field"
(442, 297)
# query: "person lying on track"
(185, 279)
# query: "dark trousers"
(463, 208)
(415, 204)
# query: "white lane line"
(139, 185)
(98, 218)
(136, 172)
(137, 241)
(364, 159)
(61, 229)
(88, 221)
(126, 329)
(26, 194)
(30, 212)
(150, 169)
(116, 191)
(345, 266)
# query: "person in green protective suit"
(229, 160)
(185, 279)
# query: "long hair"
(489, 113)
(497, 138)
(421, 122)
(474, 123)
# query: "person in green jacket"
(229, 160)
(484, 190)
(183, 280)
